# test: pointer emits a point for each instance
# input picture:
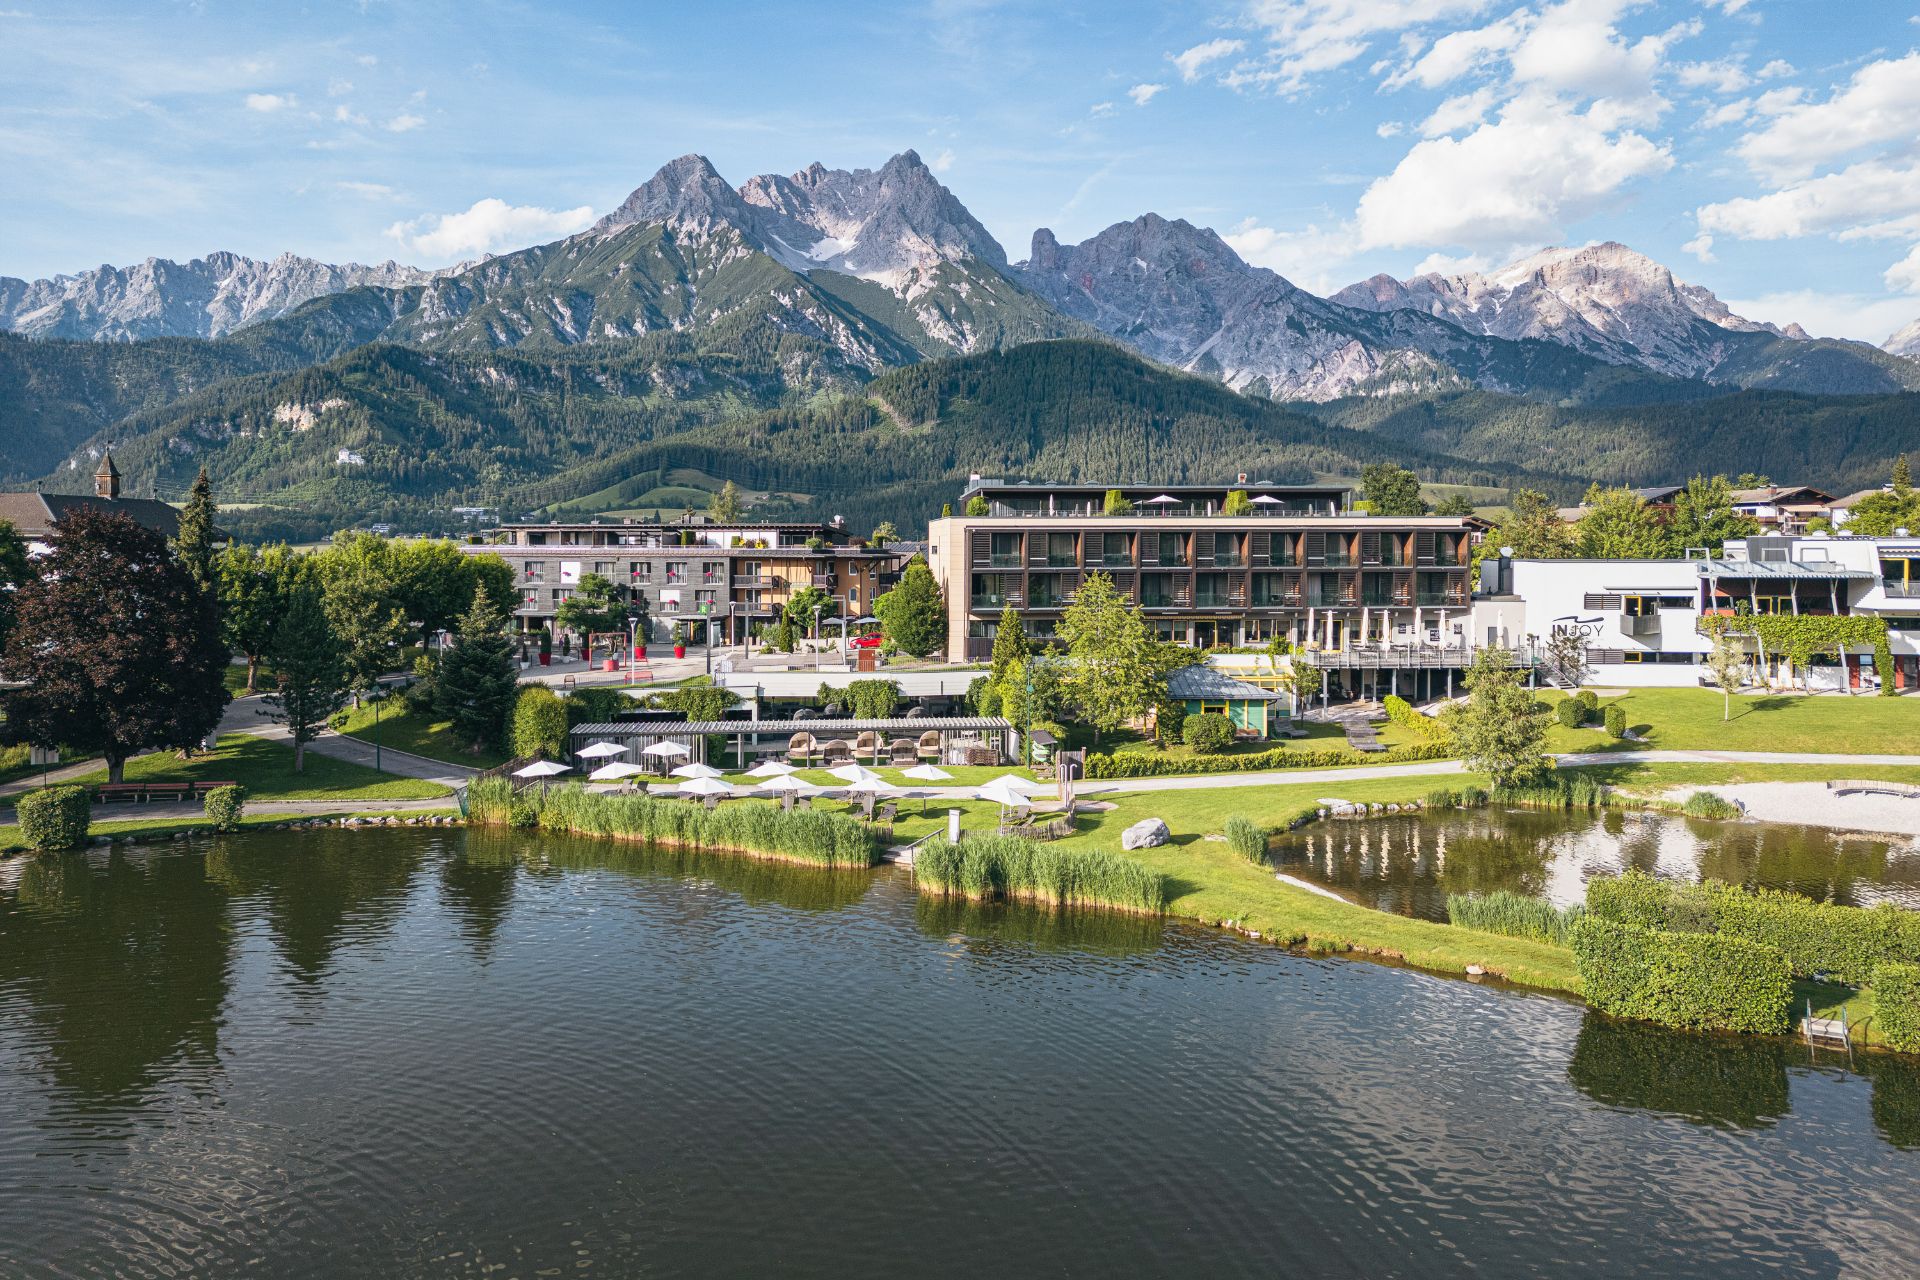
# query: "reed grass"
(1569, 791)
(762, 830)
(1707, 804)
(1246, 838)
(1515, 915)
(993, 867)
(1442, 800)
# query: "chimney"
(106, 481)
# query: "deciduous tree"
(13, 572)
(254, 587)
(1703, 516)
(1727, 664)
(1392, 490)
(726, 506)
(118, 646)
(594, 607)
(309, 666)
(1619, 525)
(913, 617)
(1532, 527)
(1115, 671)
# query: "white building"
(1641, 618)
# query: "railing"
(1901, 590)
(1165, 600)
(1406, 655)
(993, 600)
(1382, 599)
(1279, 601)
(1229, 561)
(1643, 624)
(1057, 562)
(1339, 560)
(1220, 599)
(1113, 562)
(1005, 562)
(1452, 599)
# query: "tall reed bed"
(990, 867)
(1514, 914)
(1577, 791)
(1247, 838)
(799, 835)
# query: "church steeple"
(106, 481)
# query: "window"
(676, 571)
(603, 567)
(1005, 551)
(642, 570)
(705, 600)
(536, 570)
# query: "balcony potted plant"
(546, 647)
(679, 640)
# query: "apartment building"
(1359, 593)
(727, 577)
(1641, 618)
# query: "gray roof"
(1204, 683)
(1822, 570)
(834, 728)
(34, 515)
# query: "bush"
(1245, 838)
(1615, 719)
(1140, 764)
(983, 697)
(1208, 733)
(1570, 713)
(225, 805)
(54, 817)
(1705, 804)
(695, 701)
(596, 704)
(1693, 980)
(1513, 914)
(1559, 791)
(1589, 699)
(1896, 1005)
(1646, 902)
(539, 722)
(872, 699)
(1400, 711)
(1022, 870)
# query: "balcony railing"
(1058, 562)
(1165, 599)
(1642, 624)
(1339, 560)
(1012, 561)
(1448, 598)
(1277, 600)
(993, 600)
(1220, 599)
(1231, 560)
(1901, 590)
(1114, 562)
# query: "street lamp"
(633, 640)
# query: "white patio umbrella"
(696, 770)
(615, 772)
(771, 769)
(874, 786)
(665, 747)
(1268, 500)
(707, 787)
(854, 773)
(601, 751)
(1018, 783)
(542, 769)
(1003, 794)
(926, 773)
(786, 782)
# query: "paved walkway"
(249, 715)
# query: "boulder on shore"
(1145, 834)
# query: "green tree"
(883, 533)
(193, 540)
(1567, 657)
(1703, 516)
(310, 666)
(808, 606)
(726, 505)
(1454, 504)
(116, 645)
(1752, 480)
(1115, 671)
(1532, 527)
(477, 680)
(363, 605)
(1902, 475)
(539, 723)
(14, 572)
(1114, 504)
(1304, 682)
(254, 587)
(1619, 525)
(1727, 664)
(1392, 490)
(913, 617)
(977, 505)
(1009, 642)
(594, 607)
(1501, 729)
(1237, 504)
(1878, 515)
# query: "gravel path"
(1810, 804)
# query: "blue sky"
(1761, 148)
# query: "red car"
(865, 642)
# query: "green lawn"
(405, 731)
(153, 828)
(1690, 720)
(265, 768)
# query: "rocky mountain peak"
(1904, 343)
(687, 192)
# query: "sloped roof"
(1208, 684)
(34, 515)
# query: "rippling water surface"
(1410, 863)
(399, 1053)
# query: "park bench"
(107, 792)
(201, 788)
(1848, 786)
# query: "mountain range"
(697, 303)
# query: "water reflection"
(993, 926)
(1409, 864)
(1719, 1080)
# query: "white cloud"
(1389, 129)
(1776, 102)
(1728, 7)
(371, 190)
(1305, 257)
(1775, 69)
(1574, 48)
(1862, 317)
(344, 114)
(1724, 75)
(1193, 60)
(1701, 247)
(1880, 104)
(1905, 274)
(1308, 36)
(1727, 113)
(271, 102)
(942, 162)
(1460, 52)
(338, 88)
(1458, 113)
(368, 60)
(1522, 178)
(405, 123)
(1442, 264)
(1864, 194)
(1142, 94)
(491, 224)
(1100, 110)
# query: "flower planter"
(611, 664)
(639, 653)
(679, 651)
(546, 659)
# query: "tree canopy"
(913, 617)
(1392, 490)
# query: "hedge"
(539, 724)
(1698, 981)
(1896, 1005)
(1401, 712)
(1846, 943)
(1208, 733)
(1131, 764)
(54, 817)
(225, 805)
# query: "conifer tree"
(477, 682)
(193, 541)
(1009, 642)
(912, 615)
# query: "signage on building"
(569, 573)
(1572, 624)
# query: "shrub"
(1693, 980)
(539, 722)
(1245, 838)
(1441, 800)
(1022, 870)
(1208, 733)
(983, 696)
(596, 704)
(1400, 711)
(1140, 764)
(54, 817)
(1513, 914)
(225, 805)
(1646, 902)
(872, 699)
(1589, 699)
(1559, 791)
(1705, 804)
(1616, 720)
(1570, 713)
(1896, 1005)
(695, 701)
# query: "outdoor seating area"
(815, 743)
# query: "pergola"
(637, 735)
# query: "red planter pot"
(546, 659)
(679, 651)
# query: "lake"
(1409, 863)
(400, 1052)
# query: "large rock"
(1145, 834)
